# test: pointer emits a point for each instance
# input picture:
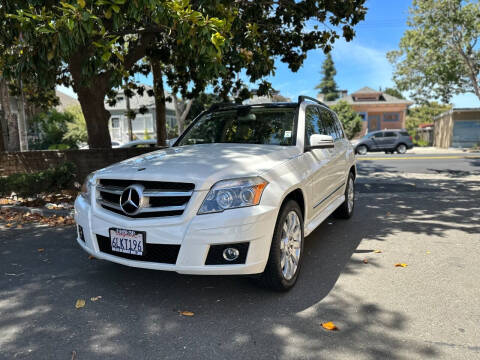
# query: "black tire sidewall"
(275, 252)
(350, 176)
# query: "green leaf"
(119, 56)
(50, 55)
(81, 3)
(106, 56)
(116, 8)
(108, 13)
(70, 24)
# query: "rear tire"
(362, 150)
(286, 250)
(345, 211)
(401, 148)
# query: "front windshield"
(245, 125)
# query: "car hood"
(202, 164)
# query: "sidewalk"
(434, 150)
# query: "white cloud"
(359, 65)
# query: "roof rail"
(303, 98)
(220, 105)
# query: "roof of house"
(65, 101)
(383, 98)
(137, 101)
(366, 90)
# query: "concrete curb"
(41, 211)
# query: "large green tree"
(328, 87)
(394, 92)
(94, 45)
(438, 55)
(351, 121)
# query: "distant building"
(458, 128)
(377, 109)
(144, 125)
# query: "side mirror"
(318, 141)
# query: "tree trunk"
(2, 132)
(96, 116)
(181, 112)
(129, 117)
(160, 107)
(3, 124)
(11, 129)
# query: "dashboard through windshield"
(244, 125)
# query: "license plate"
(127, 241)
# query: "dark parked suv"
(385, 140)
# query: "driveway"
(428, 309)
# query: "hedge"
(49, 180)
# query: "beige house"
(377, 109)
(458, 128)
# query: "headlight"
(231, 194)
(87, 188)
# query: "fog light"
(81, 235)
(231, 254)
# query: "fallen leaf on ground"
(365, 261)
(388, 213)
(377, 251)
(329, 326)
(95, 298)
(186, 313)
(91, 257)
(9, 225)
(80, 303)
(19, 226)
(401, 265)
(41, 250)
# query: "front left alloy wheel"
(286, 251)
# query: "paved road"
(427, 310)
(448, 163)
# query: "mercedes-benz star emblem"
(131, 199)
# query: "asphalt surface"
(427, 310)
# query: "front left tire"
(286, 250)
(345, 211)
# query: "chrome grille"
(159, 198)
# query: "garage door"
(466, 133)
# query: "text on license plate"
(127, 241)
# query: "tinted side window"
(390, 134)
(404, 133)
(312, 123)
(378, 135)
(329, 123)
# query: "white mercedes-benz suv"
(236, 194)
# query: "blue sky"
(361, 62)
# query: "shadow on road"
(138, 314)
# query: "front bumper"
(194, 233)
